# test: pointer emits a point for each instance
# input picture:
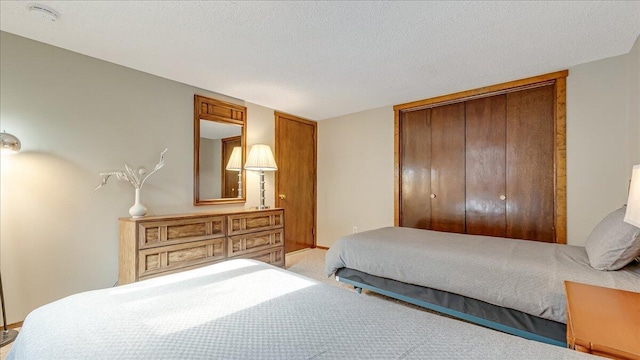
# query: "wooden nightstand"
(603, 321)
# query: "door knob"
(433, 196)
(502, 197)
(282, 196)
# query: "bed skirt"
(500, 318)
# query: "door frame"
(559, 81)
(223, 166)
(280, 115)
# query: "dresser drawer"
(161, 233)
(166, 258)
(273, 256)
(245, 243)
(253, 222)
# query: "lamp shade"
(261, 158)
(9, 143)
(235, 160)
(632, 215)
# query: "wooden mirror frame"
(219, 111)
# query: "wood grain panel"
(296, 154)
(397, 163)
(185, 255)
(166, 258)
(485, 166)
(186, 230)
(561, 161)
(555, 81)
(259, 221)
(415, 184)
(530, 164)
(127, 252)
(242, 244)
(448, 168)
(217, 110)
(159, 233)
(152, 261)
(151, 235)
(468, 94)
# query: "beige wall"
(634, 104)
(602, 139)
(355, 160)
(355, 173)
(77, 116)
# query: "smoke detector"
(44, 11)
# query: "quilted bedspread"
(523, 275)
(243, 309)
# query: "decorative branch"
(135, 178)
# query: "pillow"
(613, 243)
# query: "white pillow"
(613, 243)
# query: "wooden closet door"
(415, 186)
(447, 168)
(530, 167)
(485, 166)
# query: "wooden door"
(447, 168)
(530, 164)
(415, 187)
(534, 165)
(296, 179)
(485, 166)
(230, 178)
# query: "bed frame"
(475, 311)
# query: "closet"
(486, 162)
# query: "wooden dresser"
(160, 245)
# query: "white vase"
(137, 210)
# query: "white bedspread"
(523, 275)
(243, 309)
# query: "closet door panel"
(447, 168)
(485, 166)
(530, 167)
(415, 208)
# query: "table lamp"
(9, 144)
(261, 159)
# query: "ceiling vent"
(44, 11)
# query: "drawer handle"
(433, 196)
(502, 197)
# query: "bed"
(514, 286)
(244, 309)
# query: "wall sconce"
(261, 159)
(235, 164)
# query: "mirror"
(219, 152)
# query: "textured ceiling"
(323, 59)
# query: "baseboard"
(14, 325)
(322, 247)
